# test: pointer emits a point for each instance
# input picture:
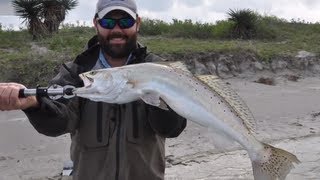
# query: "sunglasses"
(123, 23)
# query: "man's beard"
(118, 51)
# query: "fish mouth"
(87, 84)
(87, 81)
(90, 82)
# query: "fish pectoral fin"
(163, 105)
(154, 100)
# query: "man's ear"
(95, 23)
(138, 22)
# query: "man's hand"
(9, 98)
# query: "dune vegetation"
(34, 61)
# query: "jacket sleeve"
(166, 123)
(54, 118)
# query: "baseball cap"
(106, 6)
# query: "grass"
(69, 40)
(14, 40)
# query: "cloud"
(197, 10)
(191, 3)
(157, 6)
(209, 10)
(6, 8)
(297, 9)
(83, 12)
(311, 3)
(224, 6)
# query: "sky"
(196, 10)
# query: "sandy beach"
(287, 115)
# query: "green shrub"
(69, 40)
(15, 39)
(268, 27)
(244, 23)
(31, 69)
(189, 29)
(202, 30)
(151, 27)
(223, 29)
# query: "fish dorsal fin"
(232, 98)
(177, 65)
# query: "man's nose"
(117, 28)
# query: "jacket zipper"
(135, 120)
(118, 144)
(99, 122)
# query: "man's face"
(117, 42)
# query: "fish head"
(96, 84)
(103, 85)
(92, 77)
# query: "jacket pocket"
(136, 122)
(96, 125)
(94, 164)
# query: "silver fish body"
(214, 106)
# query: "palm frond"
(69, 4)
(27, 9)
(245, 22)
(30, 11)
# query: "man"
(109, 141)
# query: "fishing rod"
(53, 92)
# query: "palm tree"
(245, 23)
(30, 11)
(43, 16)
(66, 5)
(54, 12)
(49, 11)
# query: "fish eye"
(92, 73)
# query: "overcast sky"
(197, 10)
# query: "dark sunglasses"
(123, 23)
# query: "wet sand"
(287, 114)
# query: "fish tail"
(273, 164)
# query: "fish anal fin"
(163, 105)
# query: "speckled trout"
(206, 100)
